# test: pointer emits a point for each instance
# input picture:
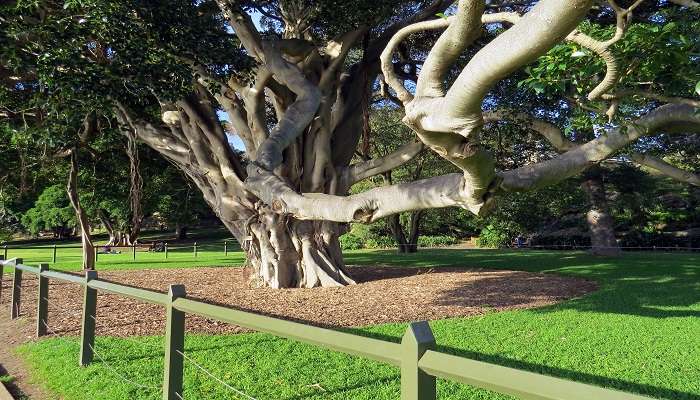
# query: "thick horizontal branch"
(670, 118)
(666, 168)
(369, 206)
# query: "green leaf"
(697, 88)
(441, 15)
(578, 54)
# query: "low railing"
(225, 247)
(416, 356)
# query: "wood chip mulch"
(383, 295)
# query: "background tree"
(52, 212)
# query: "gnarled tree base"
(286, 253)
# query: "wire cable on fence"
(118, 374)
(128, 339)
(231, 388)
(61, 311)
(102, 359)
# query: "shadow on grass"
(657, 285)
(577, 376)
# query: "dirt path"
(383, 295)
(13, 334)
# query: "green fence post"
(96, 253)
(87, 331)
(42, 307)
(166, 251)
(134, 251)
(195, 249)
(16, 290)
(5, 252)
(174, 346)
(226, 247)
(2, 267)
(54, 254)
(416, 384)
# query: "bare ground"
(383, 295)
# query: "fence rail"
(419, 362)
(225, 247)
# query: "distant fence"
(416, 356)
(621, 248)
(225, 247)
(415, 248)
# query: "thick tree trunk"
(286, 253)
(81, 215)
(600, 222)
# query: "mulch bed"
(383, 295)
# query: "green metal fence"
(419, 362)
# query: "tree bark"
(81, 215)
(109, 227)
(283, 252)
(600, 222)
(407, 243)
(180, 232)
(135, 189)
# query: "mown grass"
(210, 253)
(640, 332)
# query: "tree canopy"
(516, 96)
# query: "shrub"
(351, 242)
(496, 234)
(436, 241)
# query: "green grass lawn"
(640, 333)
(210, 252)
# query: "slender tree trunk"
(135, 189)
(181, 232)
(414, 230)
(397, 231)
(600, 222)
(113, 234)
(81, 215)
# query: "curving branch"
(462, 31)
(297, 116)
(692, 4)
(532, 36)
(360, 171)
(665, 168)
(670, 118)
(243, 25)
(451, 43)
(390, 76)
(602, 49)
(651, 95)
(548, 130)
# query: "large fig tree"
(293, 80)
